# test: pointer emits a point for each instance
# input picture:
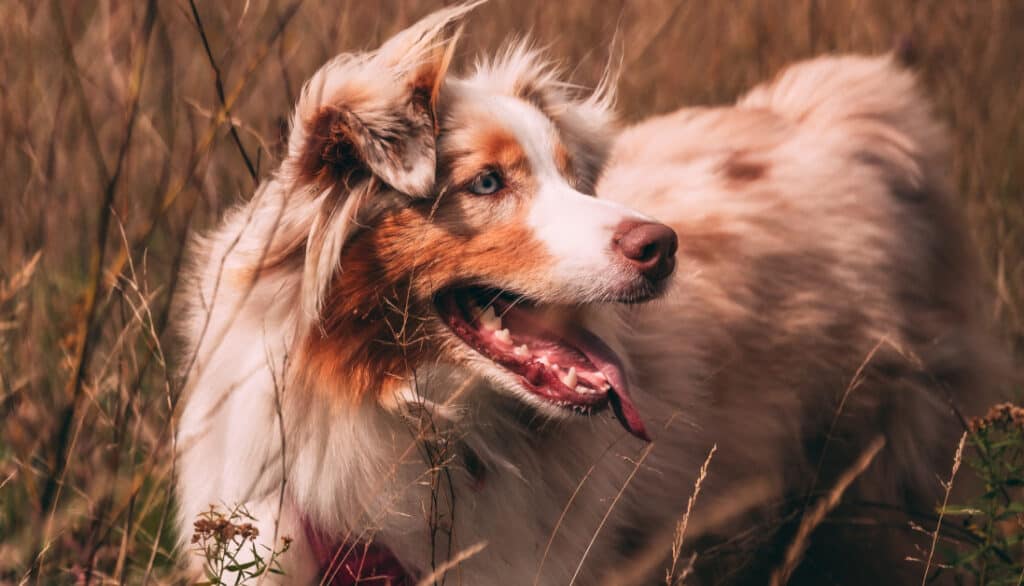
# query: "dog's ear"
(376, 114)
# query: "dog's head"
(455, 221)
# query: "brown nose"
(648, 246)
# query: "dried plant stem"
(218, 81)
(451, 563)
(206, 143)
(677, 538)
(565, 510)
(855, 382)
(607, 513)
(817, 514)
(957, 458)
(86, 330)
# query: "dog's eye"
(486, 183)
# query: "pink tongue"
(595, 350)
(609, 364)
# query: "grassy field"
(123, 125)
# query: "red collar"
(351, 563)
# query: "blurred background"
(124, 125)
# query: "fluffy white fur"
(817, 233)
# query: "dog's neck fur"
(338, 422)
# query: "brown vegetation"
(123, 125)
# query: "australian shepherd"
(471, 331)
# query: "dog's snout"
(648, 246)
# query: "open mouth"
(558, 361)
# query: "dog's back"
(826, 297)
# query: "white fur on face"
(577, 229)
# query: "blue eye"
(486, 183)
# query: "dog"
(471, 330)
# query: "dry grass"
(121, 130)
(948, 487)
(813, 517)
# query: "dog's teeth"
(570, 378)
(489, 319)
(544, 360)
(584, 390)
(521, 351)
(503, 336)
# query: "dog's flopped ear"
(375, 114)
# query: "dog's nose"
(648, 246)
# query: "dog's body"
(823, 297)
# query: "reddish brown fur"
(331, 153)
(480, 148)
(377, 319)
(740, 169)
(563, 161)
